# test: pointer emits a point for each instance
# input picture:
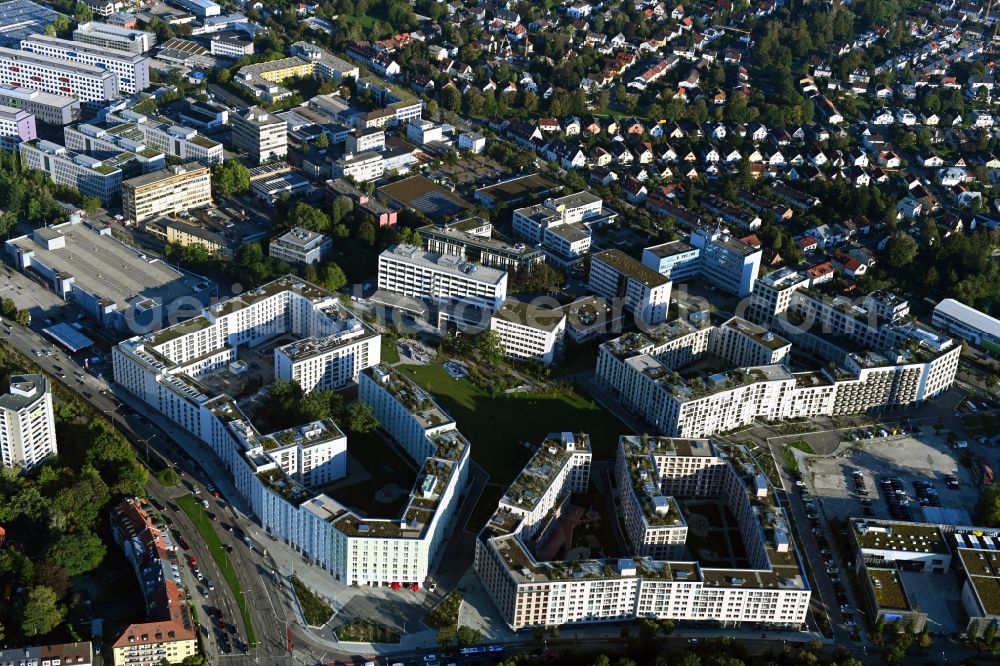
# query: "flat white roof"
(969, 316)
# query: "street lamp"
(146, 441)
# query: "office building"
(726, 262)
(46, 107)
(528, 332)
(365, 140)
(419, 131)
(677, 261)
(968, 323)
(27, 426)
(401, 104)
(222, 236)
(231, 44)
(165, 192)
(653, 581)
(119, 286)
(108, 36)
(262, 135)
(410, 271)
(201, 8)
(300, 246)
(616, 276)
(326, 64)
(63, 77)
(173, 140)
(16, 125)
(169, 632)
(362, 167)
(69, 654)
(101, 178)
(132, 69)
(562, 227)
(473, 240)
(109, 143)
(263, 78)
(644, 372)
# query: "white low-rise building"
(362, 167)
(300, 246)
(420, 131)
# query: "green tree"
(362, 418)
(988, 506)
(322, 141)
(168, 477)
(194, 660)
(78, 553)
(366, 233)
(333, 277)
(491, 347)
(446, 635)
(468, 636)
(42, 612)
(901, 250)
(310, 217)
(90, 205)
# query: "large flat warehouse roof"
(102, 266)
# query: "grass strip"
(203, 524)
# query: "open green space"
(789, 455)
(390, 353)
(207, 530)
(445, 614)
(316, 611)
(498, 427)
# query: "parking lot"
(895, 473)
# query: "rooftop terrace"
(536, 477)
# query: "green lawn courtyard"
(498, 427)
(203, 523)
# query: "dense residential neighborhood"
(452, 332)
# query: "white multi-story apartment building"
(46, 107)
(560, 466)
(362, 167)
(773, 589)
(56, 75)
(166, 192)
(528, 332)
(300, 246)
(132, 69)
(273, 472)
(173, 140)
(409, 270)
(16, 125)
(101, 178)
(261, 134)
(27, 426)
(642, 372)
(109, 36)
(616, 276)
